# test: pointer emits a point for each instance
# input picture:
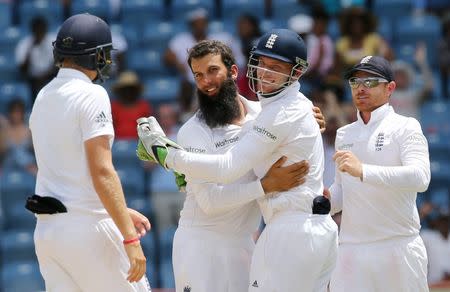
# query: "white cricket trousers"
(83, 252)
(209, 261)
(394, 265)
(296, 252)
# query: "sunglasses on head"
(369, 82)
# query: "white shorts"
(82, 252)
(397, 265)
(208, 261)
(295, 252)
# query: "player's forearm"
(414, 178)
(108, 187)
(336, 198)
(213, 198)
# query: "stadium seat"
(22, 277)
(440, 174)
(15, 187)
(162, 181)
(141, 205)
(12, 90)
(96, 7)
(133, 183)
(232, 9)
(5, 15)
(17, 246)
(19, 218)
(435, 118)
(162, 89)
(166, 274)
(124, 154)
(267, 24)
(437, 4)
(51, 10)
(8, 68)
(148, 62)
(283, 8)
(411, 30)
(139, 13)
(166, 242)
(180, 8)
(10, 37)
(157, 34)
(392, 9)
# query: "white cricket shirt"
(396, 166)
(285, 126)
(229, 208)
(67, 112)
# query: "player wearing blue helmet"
(85, 237)
(297, 250)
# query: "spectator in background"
(248, 32)
(408, 97)
(176, 55)
(129, 105)
(444, 55)
(358, 39)
(19, 149)
(34, 56)
(168, 119)
(437, 242)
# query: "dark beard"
(220, 109)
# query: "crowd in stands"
(151, 77)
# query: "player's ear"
(234, 71)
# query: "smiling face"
(366, 99)
(210, 72)
(272, 73)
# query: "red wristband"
(133, 240)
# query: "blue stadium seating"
(162, 89)
(139, 13)
(158, 34)
(180, 8)
(232, 9)
(411, 30)
(166, 274)
(124, 154)
(17, 246)
(147, 62)
(141, 205)
(96, 7)
(440, 174)
(15, 187)
(435, 118)
(166, 242)
(12, 90)
(22, 277)
(10, 37)
(51, 10)
(8, 68)
(5, 15)
(149, 247)
(284, 8)
(133, 183)
(162, 180)
(267, 24)
(392, 9)
(19, 218)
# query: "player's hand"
(326, 193)
(137, 261)
(282, 178)
(140, 222)
(154, 145)
(320, 119)
(180, 181)
(347, 162)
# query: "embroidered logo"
(67, 42)
(379, 142)
(255, 284)
(271, 41)
(195, 150)
(225, 142)
(102, 118)
(264, 132)
(345, 146)
(365, 60)
(187, 289)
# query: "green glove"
(179, 180)
(154, 145)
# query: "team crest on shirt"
(379, 142)
(187, 289)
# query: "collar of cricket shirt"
(73, 73)
(377, 114)
(291, 90)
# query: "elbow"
(423, 180)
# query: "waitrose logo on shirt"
(264, 132)
(226, 142)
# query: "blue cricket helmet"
(86, 39)
(280, 44)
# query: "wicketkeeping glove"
(153, 143)
(179, 180)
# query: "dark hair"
(214, 47)
(369, 21)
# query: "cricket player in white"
(213, 243)
(297, 249)
(71, 125)
(382, 162)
